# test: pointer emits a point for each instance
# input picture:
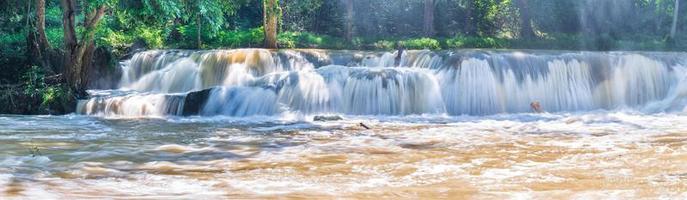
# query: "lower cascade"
(249, 82)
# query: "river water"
(521, 156)
(442, 125)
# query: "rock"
(322, 118)
(536, 107)
(195, 101)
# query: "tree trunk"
(349, 20)
(526, 31)
(429, 18)
(676, 10)
(40, 25)
(198, 27)
(469, 28)
(38, 47)
(271, 22)
(78, 54)
(70, 42)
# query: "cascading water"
(248, 82)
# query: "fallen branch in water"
(364, 126)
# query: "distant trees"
(525, 19)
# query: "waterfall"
(246, 82)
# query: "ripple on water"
(582, 155)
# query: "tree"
(526, 31)
(429, 18)
(271, 13)
(38, 46)
(676, 10)
(79, 53)
(469, 22)
(40, 24)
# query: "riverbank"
(37, 94)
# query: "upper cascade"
(246, 82)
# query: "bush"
(55, 97)
(153, 37)
(118, 41)
(309, 40)
(238, 39)
(384, 45)
(461, 41)
(422, 43)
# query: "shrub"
(461, 41)
(384, 45)
(238, 39)
(422, 43)
(309, 40)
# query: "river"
(239, 124)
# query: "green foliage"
(422, 43)
(118, 41)
(33, 81)
(236, 39)
(309, 40)
(461, 41)
(152, 36)
(35, 86)
(384, 45)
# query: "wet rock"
(195, 101)
(536, 107)
(322, 118)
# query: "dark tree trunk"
(271, 22)
(429, 18)
(39, 50)
(199, 43)
(526, 31)
(78, 54)
(349, 20)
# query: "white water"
(605, 138)
(251, 82)
(597, 155)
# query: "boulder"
(195, 101)
(322, 118)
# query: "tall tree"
(38, 45)
(429, 18)
(79, 53)
(469, 19)
(349, 20)
(40, 24)
(676, 10)
(525, 19)
(271, 13)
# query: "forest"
(49, 48)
